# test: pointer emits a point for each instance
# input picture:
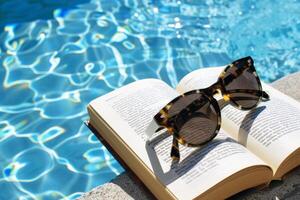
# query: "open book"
(252, 148)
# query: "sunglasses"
(194, 118)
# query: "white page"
(199, 79)
(130, 109)
(271, 130)
(275, 132)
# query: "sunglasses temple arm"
(265, 96)
(175, 149)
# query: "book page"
(271, 131)
(136, 104)
(199, 79)
(130, 109)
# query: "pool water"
(57, 56)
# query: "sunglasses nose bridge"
(221, 94)
(216, 89)
(218, 92)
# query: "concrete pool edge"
(126, 186)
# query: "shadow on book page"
(194, 160)
(200, 159)
(247, 123)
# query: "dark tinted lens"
(197, 119)
(239, 81)
(182, 103)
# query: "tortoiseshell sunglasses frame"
(164, 121)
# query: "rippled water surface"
(56, 57)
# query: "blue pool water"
(57, 56)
